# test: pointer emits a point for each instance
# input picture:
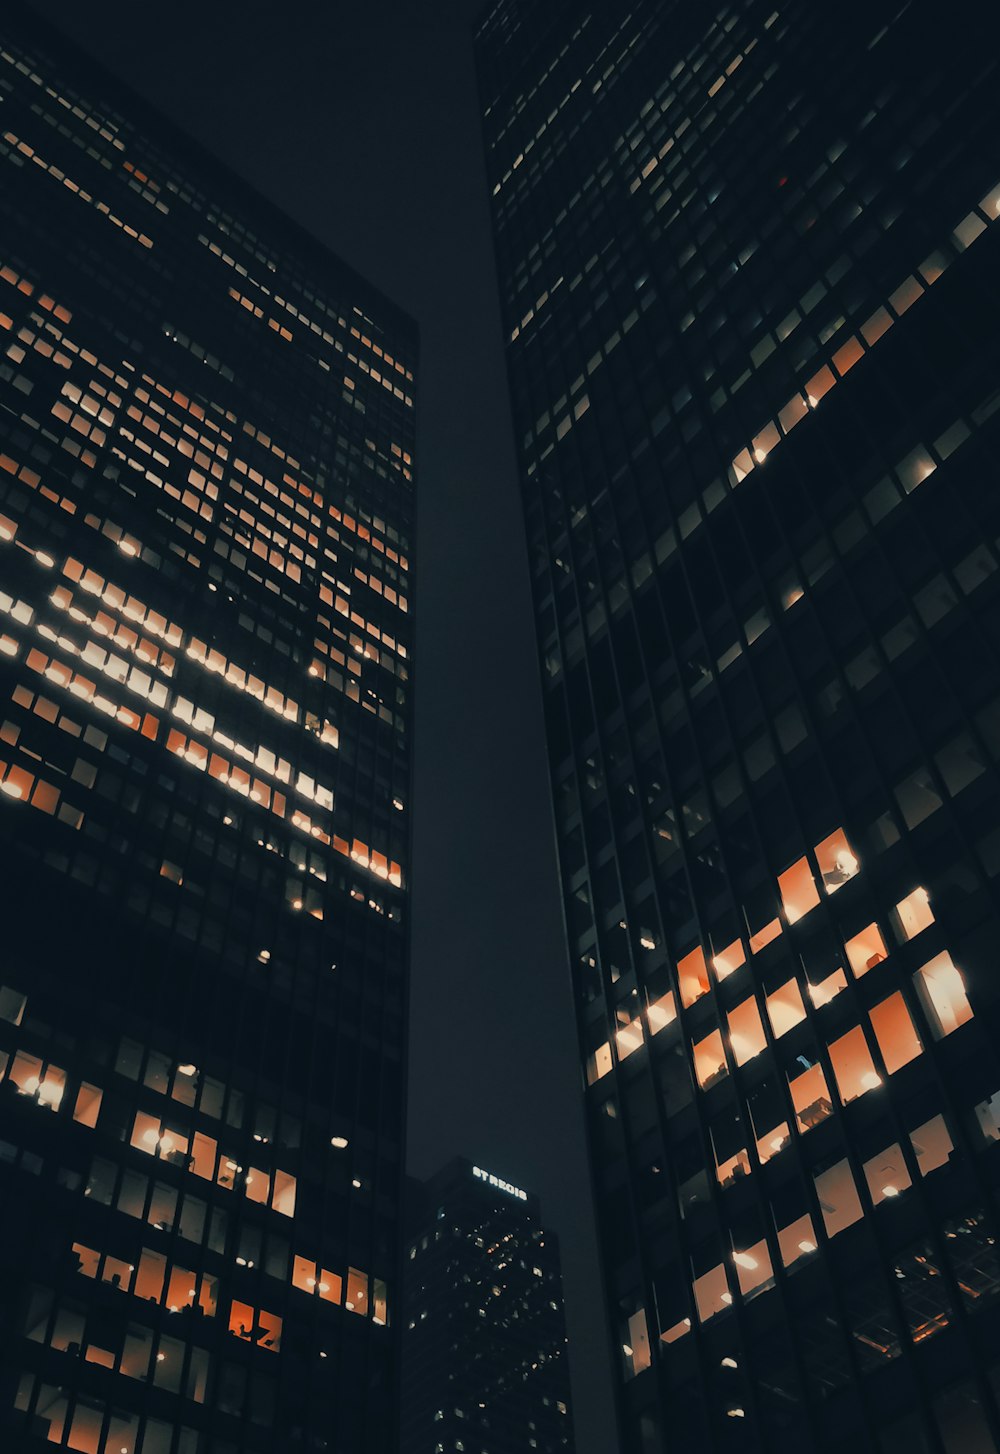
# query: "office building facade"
(206, 498)
(484, 1334)
(747, 259)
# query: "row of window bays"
(208, 1133)
(222, 710)
(721, 1135)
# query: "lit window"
(357, 1291)
(796, 1240)
(661, 1012)
(692, 975)
(838, 1198)
(746, 1032)
(894, 1032)
(942, 994)
(635, 1345)
(88, 1105)
(764, 937)
(810, 1094)
(865, 950)
(915, 913)
(886, 1175)
(753, 1269)
(798, 890)
(711, 1293)
(822, 993)
(728, 960)
(628, 1037)
(932, 1145)
(599, 1063)
(709, 1060)
(988, 1116)
(785, 1008)
(836, 860)
(853, 1065)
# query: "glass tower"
(748, 263)
(206, 505)
(484, 1338)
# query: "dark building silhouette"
(484, 1336)
(748, 260)
(206, 511)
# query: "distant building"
(748, 257)
(206, 497)
(484, 1336)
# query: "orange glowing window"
(886, 1175)
(865, 950)
(785, 1008)
(822, 993)
(709, 1060)
(897, 1039)
(661, 1012)
(810, 1096)
(853, 1065)
(932, 1145)
(746, 1032)
(692, 974)
(765, 936)
(711, 1293)
(798, 890)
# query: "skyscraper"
(484, 1337)
(206, 507)
(747, 260)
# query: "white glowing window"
(853, 1065)
(932, 1144)
(283, 1200)
(836, 860)
(886, 1175)
(915, 913)
(865, 950)
(709, 1060)
(798, 890)
(785, 1008)
(746, 1032)
(942, 994)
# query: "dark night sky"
(361, 121)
